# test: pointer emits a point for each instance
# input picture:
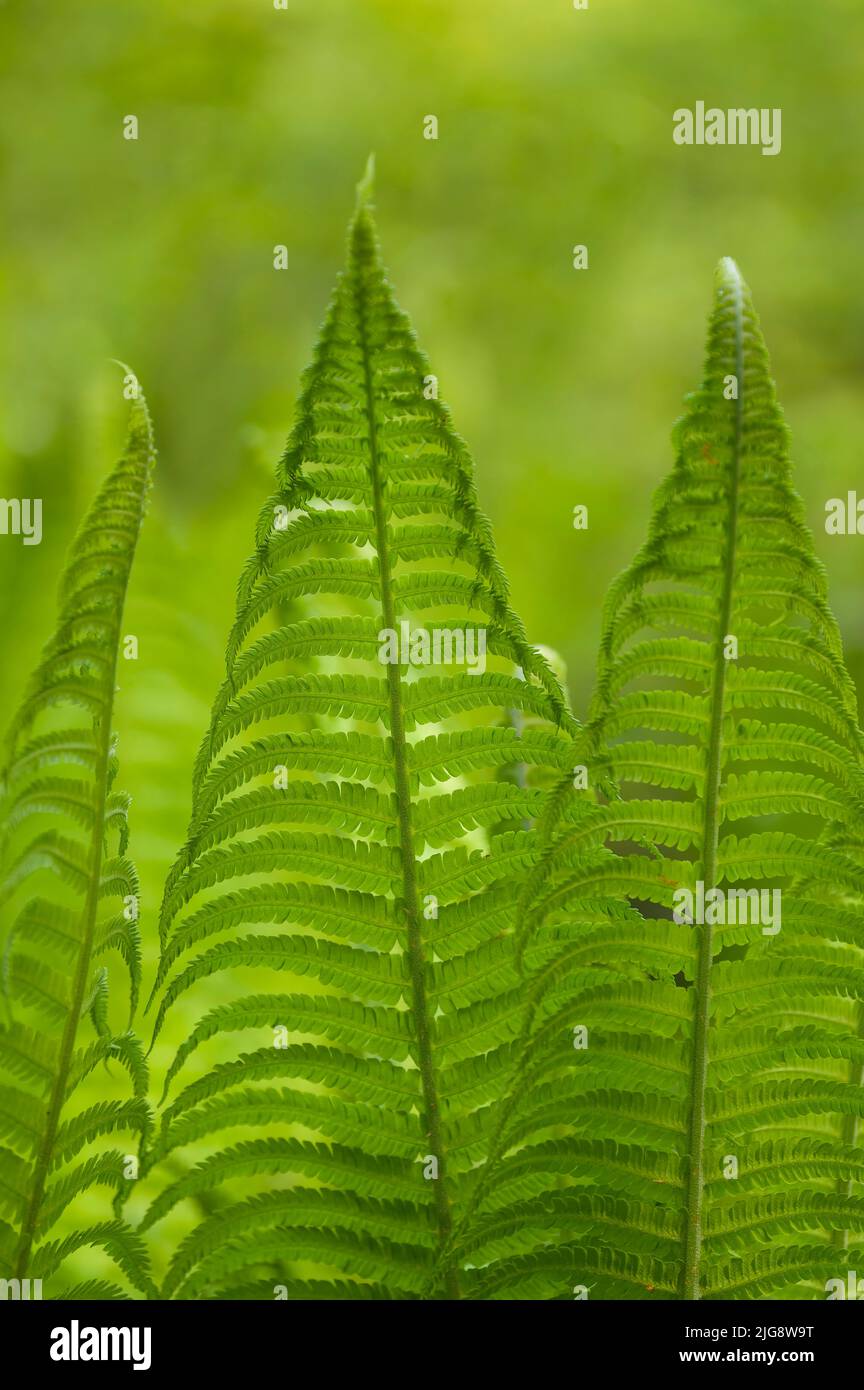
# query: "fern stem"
(851, 1129)
(414, 936)
(699, 1075)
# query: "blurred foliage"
(555, 128)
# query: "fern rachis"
(711, 824)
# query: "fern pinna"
(714, 1150)
(69, 901)
(363, 813)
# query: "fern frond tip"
(728, 275)
(366, 186)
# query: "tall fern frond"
(69, 903)
(360, 829)
(713, 1137)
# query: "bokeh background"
(555, 128)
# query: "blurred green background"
(555, 128)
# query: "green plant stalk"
(699, 1074)
(851, 1129)
(416, 962)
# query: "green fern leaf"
(722, 1078)
(64, 839)
(357, 827)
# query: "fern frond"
(358, 827)
(724, 733)
(64, 840)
